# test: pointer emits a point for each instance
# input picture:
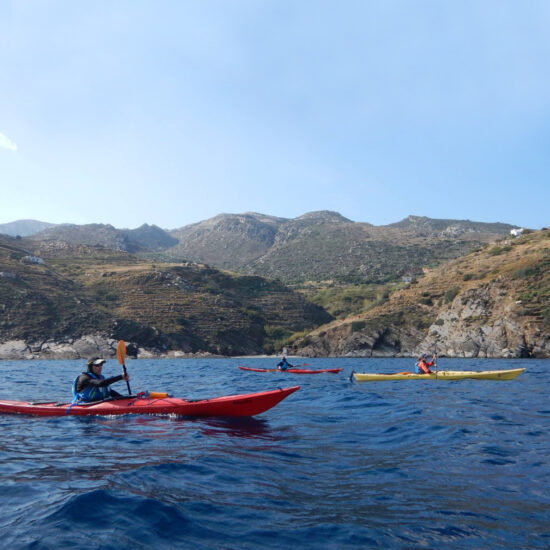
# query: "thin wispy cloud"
(7, 143)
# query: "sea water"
(411, 464)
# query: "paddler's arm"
(105, 382)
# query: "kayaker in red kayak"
(283, 364)
(93, 386)
(423, 365)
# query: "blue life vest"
(90, 393)
(416, 369)
(283, 365)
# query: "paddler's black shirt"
(84, 381)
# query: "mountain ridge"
(316, 246)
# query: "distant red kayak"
(293, 371)
(229, 405)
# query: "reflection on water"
(252, 428)
(162, 426)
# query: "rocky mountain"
(494, 302)
(151, 237)
(23, 228)
(71, 300)
(326, 246)
(317, 246)
(229, 241)
(95, 234)
(421, 226)
(146, 238)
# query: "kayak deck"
(230, 405)
(509, 374)
(293, 370)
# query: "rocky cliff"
(492, 303)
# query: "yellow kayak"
(440, 375)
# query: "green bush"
(276, 332)
(451, 294)
(357, 326)
(496, 250)
(524, 272)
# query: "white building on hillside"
(32, 260)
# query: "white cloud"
(7, 143)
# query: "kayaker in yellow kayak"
(423, 365)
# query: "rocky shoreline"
(356, 346)
(83, 348)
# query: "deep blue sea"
(413, 464)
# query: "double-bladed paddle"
(121, 354)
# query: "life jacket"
(283, 365)
(90, 393)
(425, 364)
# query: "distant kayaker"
(423, 365)
(93, 386)
(283, 364)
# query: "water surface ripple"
(336, 465)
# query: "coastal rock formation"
(486, 322)
(483, 322)
(492, 303)
(83, 348)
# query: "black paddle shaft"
(127, 383)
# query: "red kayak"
(293, 370)
(230, 405)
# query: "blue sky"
(170, 112)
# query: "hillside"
(494, 302)
(228, 241)
(315, 247)
(150, 237)
(321, 246)
(94, 234)
(23, 228)
(81, 299)
(38, 303)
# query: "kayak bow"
(230, 405)
(441, 375)
(293, 370)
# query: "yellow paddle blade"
(121, 352)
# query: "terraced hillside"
(79, 290)
(39, 303)
(199, 308)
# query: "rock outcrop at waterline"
(83, 348)
(484, 322)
